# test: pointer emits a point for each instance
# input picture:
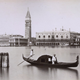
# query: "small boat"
(44, 60)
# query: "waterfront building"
(4, 40)
(18, 40)
(58, 37)
(13, 40)
(61, 37)
(28, 27)
(75, 39)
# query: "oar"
(20, 63)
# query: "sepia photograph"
(39, 39)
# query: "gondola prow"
(77, 59)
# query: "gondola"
(44, 60)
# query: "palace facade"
(61, 37)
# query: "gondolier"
(31, 54)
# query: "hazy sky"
(46, 15)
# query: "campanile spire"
(28, 14)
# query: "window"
(44, 36)
(61, 36)
(39, 36)
(48, 36)
(66, 36)
(57, 36)
(52, 36)
(78, 39)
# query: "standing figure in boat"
(54, 59)
(31, 53)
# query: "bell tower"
(28, 26)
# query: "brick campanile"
(28, 26)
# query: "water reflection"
(49, 73)
(4, 73)
(74, 46)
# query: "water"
(25, 71)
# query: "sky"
(46, 15)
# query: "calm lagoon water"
(25, 71)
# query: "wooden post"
(5, 60)
(0, 59)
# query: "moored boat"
(46, 60)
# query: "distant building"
(74, 38)
(4, 40)
(13, 40)
(18, 40)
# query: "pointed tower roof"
(28, 14)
